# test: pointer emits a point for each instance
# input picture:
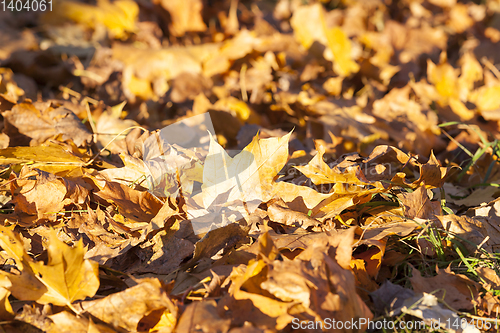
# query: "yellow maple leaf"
(460, 109)
(471, 72)
(119, 17)
(308, 23)
(250, 278)
(66, 278)
(340, 46)
(486, 97)
(445, 79)
(320, 173)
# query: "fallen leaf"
(138, 308)
(140, 206)
(43, 194)
(40, 121)
(66, 322)
(186, 15)
(426, 307)
(459, 290)
(204, 316)
(418, 205)
(66, 278)
(468, 229)
(119, 17)
(492, 280)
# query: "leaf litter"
(350, 171)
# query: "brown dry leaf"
(427, 307)
(162, 254)
(269, 306)
(186, 15)
(107, 244)
(363, 278)
(251, 276)
(42, 120)
(282, 214)
(13, 40)
(490, 303)
(342, 243)
(353, 79)
(479, 197)
(34, 316)
(9, 90)
(66, 322)
(469, 229)
(409, 122)
(299, 240)
(203, 316)
(489, 218)
(166, 212)
(491, 278)
(131, 173)
(312, 281)
(432, 174)
(218, 239)
(110, 124)
(384, 163)
(236, 48)
(138, 206)
(418, 205)
(138, 308)
(341, 300)
(459, 290)
(43, 194)
(348, 178)
(402, 229)
(335, 204)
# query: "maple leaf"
(119, 17)
(458, 289)
(46, 194)
(236, 186)
(66, 278)
(321, 173)
(131, 308)
(309, 25)
(186, 15)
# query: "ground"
(249, 166)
